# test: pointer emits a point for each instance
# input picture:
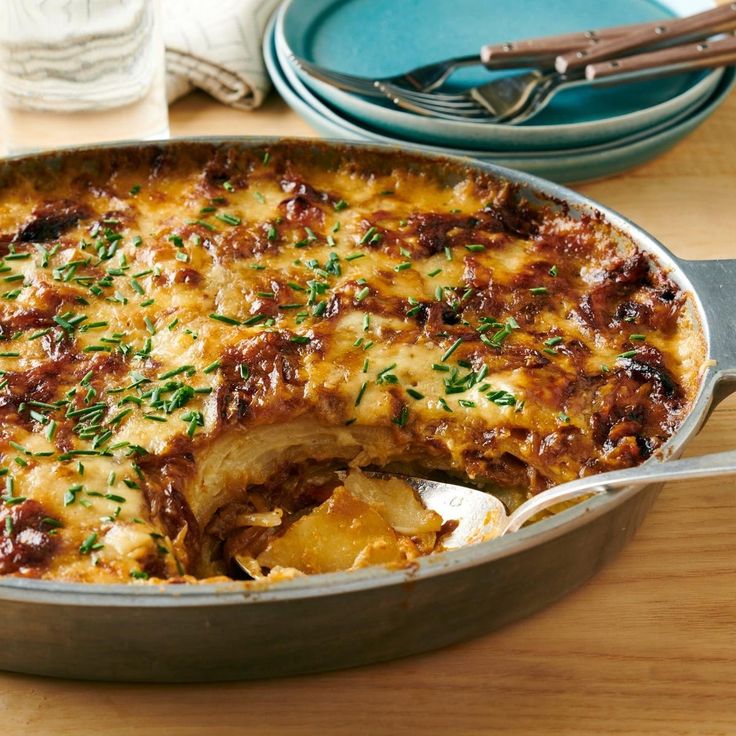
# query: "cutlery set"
(551, 64)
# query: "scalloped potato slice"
(343, 532)
(396, 501)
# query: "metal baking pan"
(226, 631)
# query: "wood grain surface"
(647, 647)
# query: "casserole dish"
(227, 630)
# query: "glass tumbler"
(80, 71)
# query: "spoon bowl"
(481, 516)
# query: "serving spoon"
(481, 516)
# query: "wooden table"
(648, 646)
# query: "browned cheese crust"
(180, 326)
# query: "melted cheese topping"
(181, 325)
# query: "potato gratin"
(194, 338)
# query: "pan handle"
(715, 285)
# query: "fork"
(507, 55)
(514, 99)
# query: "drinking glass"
(80, 71)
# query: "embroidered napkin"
(215, 45)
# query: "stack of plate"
(584, 133)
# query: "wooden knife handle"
(720, 18)
(687, 56)
(512, 54)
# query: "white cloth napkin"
(215, 45)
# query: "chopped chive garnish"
(501, 398)
(362, 391)
(552, 341)
(354, 256)
(451, 349)
(466, 403)
(627, 354)
(362, 294)
(440, 367)
(227, 186)
(369, 233)
(63, 323)
(135, 189)
(228, 219)
(637, 337)
(475, 247)
(174, 372)
(538, 290)
(90, 544)
(244, 371)
(403, 417)
(206, 225)
(414, 393)
(448, 253)
(119, 417)
(301, 339)
(259, 197)
(553, 271)
(432, 274)
(224, 318)
(385, 371)
(402, 266)
(254, 320)
(563, 417)
(341, 204)
(211, 367)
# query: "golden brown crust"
(179, 324)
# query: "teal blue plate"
(572, 165)
(381, 37)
